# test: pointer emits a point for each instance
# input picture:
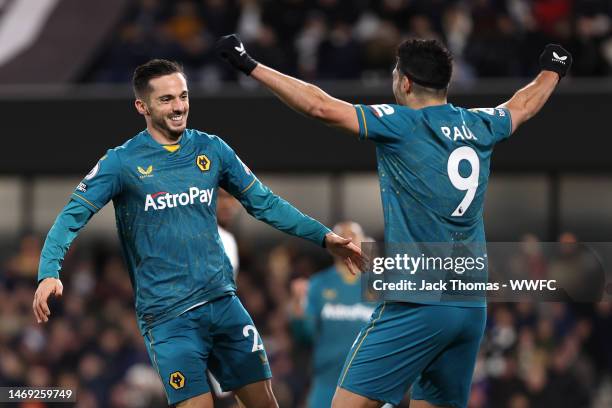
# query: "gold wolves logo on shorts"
(177, 380)
(203, 162)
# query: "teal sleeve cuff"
(263, 204)
(363, 130)
(73, 217)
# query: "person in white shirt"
(227, 208)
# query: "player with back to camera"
(164, 183)
(420, 143)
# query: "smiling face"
(166, 105)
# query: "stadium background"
(65, 67)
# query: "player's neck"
(161, 137)
(420, 103)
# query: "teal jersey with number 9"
(433, 166)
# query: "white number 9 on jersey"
(468, 184)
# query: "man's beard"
(163, 126)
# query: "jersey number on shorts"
(468, 184)
(257, 343)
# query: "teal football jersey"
(165, 209)
(335, 307)
(433, 167)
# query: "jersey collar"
(183, 140)
(446, 105)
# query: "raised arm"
(555, 61)
(301, 96)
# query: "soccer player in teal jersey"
(433, 165)
(327, 311)
(163, 183)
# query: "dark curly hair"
(425, 62)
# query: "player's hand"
(47, 287)
(231, 49)
(556, 58)
(345, 249)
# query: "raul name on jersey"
(455, 133)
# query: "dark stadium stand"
(73, 73)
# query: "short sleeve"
(498, 120)
(383, 123)
(101, 184)
(236, 177)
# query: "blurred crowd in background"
(356, 39)
(533, 355)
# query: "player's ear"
(141, 107)
(405, 84)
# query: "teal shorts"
(431, 347)
(219, 336)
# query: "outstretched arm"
(263, 204)
(308, 99)
(528, 101)
(301, 96)
(555, 61)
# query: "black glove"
(556, 58)
(231, 49)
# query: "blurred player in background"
(164, 183)
(328, 312)
(421, 143)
